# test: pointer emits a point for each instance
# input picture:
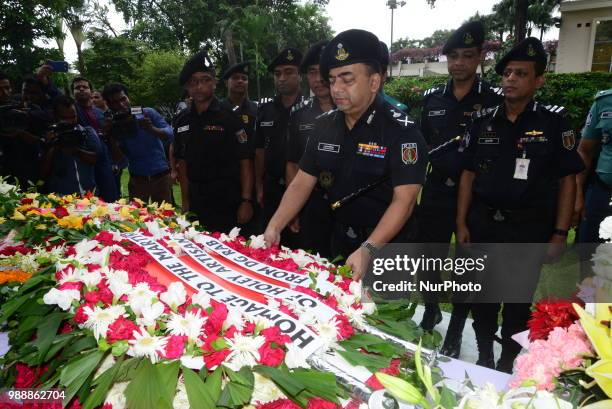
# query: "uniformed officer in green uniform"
(446, 113)
(271, 134)
(518, 186)
(596, 136)
(384, 67)
(360, 142)
(213, 152)
(314, 222)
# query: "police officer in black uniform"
(446, 113)
(236, 80)
(314, 222)
(271, 134)
(360, 142)
(517, 186)
(213, 150)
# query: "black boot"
(452, 340)
(431, 317)
(510, 350)
(485, 352)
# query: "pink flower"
(318, 403)
(175, 346)
(279, 404)
(271, 356)
(121, 329)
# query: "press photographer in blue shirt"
(140, 135)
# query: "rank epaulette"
(299, 105)
(484, 112)
(324, 114)
(497, 90)
(557, 109)
(433, 90)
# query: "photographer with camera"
(140, 135)
(68, 164)
(21, 126)
(107, 172)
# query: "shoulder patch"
(556, 109)
(432, 90)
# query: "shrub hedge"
(573, 91)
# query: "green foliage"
(573, 91)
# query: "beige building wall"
(575, 48)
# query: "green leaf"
(103, 384)
(59, 343)
(198, 392)
(168, 377)
(372, 362)
(46, 333)
(321, 384)
(146, 389)
(213, 383)
(374, 344)
(235, 395)
(75, 373)
(9, 307)
(87, 342)
(283, 379)
(447, 399)
(120, 347)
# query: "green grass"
(125, 177)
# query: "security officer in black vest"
(236, 80)
(357, 144)
(271, 134)
(213, 151)
(446, 113)
(517, 186)
(314, 222)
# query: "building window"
(602, 46)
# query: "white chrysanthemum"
(356, 288)
(244, 351)
(118, 282)
(183, 223)
(180, 401)
(321, 274)
(261, 322)
(347, 300)
(61, 298)
(264, 390)
(301, 258)
(201, 298)
(149, 313)
(189, 324)
(99, 319)
(175, 296)
(327, 331)
(6, 187)
(307, 318)
(192, 362)
(141, 296)
(294, 357)
(605, 229)
(234, 233)
(368, 308)
(257, 242)
(191, 234)
(84, 247)
(116, 396)
(57, 251)
(155, 230)
(28, 263)
(91, 278)
(107, 363)
(235, 318)
(336, 292)
(146, 345)
(355, 316)
(70, 274)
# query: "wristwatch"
(370, 247)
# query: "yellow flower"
(31, 195)
(401, 389)
(2, 220)
(17, 215)
(100, 211)
(72, 221)
(173, 225)
(68, 198)
(166, 206)
(24, 207)
(52, 196)
(41, 227)
(140, 202)
(601, 371)
(125, 212)
(126, 228)
(121, 201)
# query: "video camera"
(14, 117)
(124, 124)
(68, 135)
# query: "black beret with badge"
(467, 36)
(199, 62)
(313, 55)
(530, 49)
(240, 68)
(384, 55)
(289, 56)
(350, 47)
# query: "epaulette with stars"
(304, 103)
(497, 90)
(484, 112)
(430, 91)
(398, 116)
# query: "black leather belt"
(151, 177)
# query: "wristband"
(371, 248)
(560, 232)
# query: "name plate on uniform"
(306, 127)
(437, 113)
(266, 123)
(183, 128)
(328, 147)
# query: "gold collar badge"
(341, 54)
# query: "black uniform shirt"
(212, 144)
(246, 113)
(541, 135)
(383, 142)
(301, 124)
(271, 135)
(444, 118)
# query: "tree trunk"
(520, 28)
(229, 46)
(541, 32)
(80, 61)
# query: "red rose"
(393, 369)
(215, 320)
(80, 316)
(175, 346)
(106, 295)
(215, 359)
(249, 328)
(26, 376)
(105, 238)
(345, 329)
(121, 329)
(549, 314)
(92, 297)
(26, 200)
(271, 356)
(273, 334)
(318, 403)
(279, 404)
(60, 211)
